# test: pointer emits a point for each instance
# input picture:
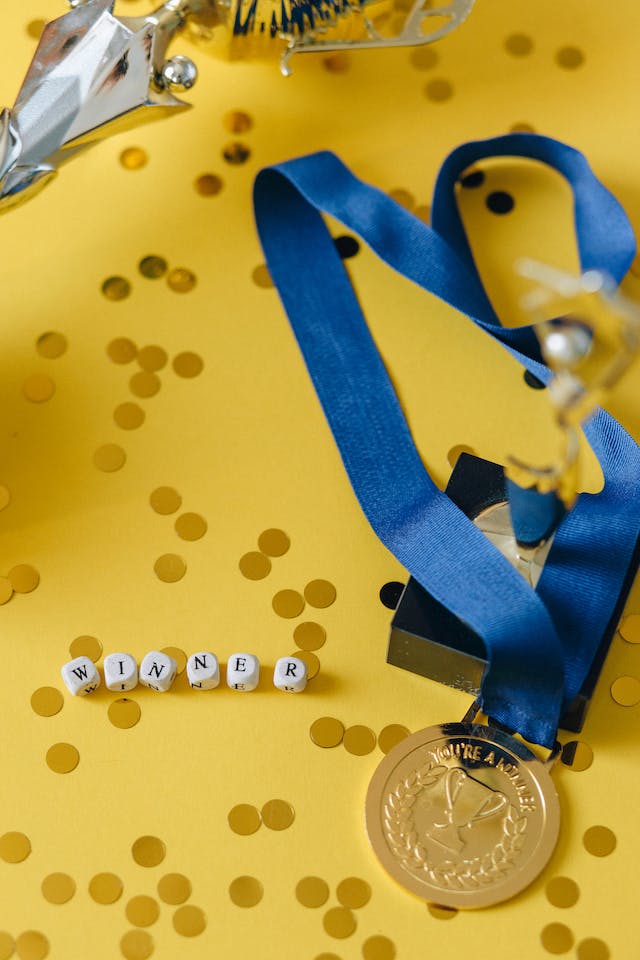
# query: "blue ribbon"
(540, 644)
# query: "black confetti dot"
(473, 179)
(390, 594)
(532, 381)
(500, 202)
(346, 246)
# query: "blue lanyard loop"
(540, 644)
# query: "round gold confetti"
(153, 267)
(237, 121)
(174, 888)
(58, 888)
(116, 288)
(311, 661)
(630, 628)
(327, 956)
(191, 526)
(148, 851)
(246, 891)
(62, 758)
(51, 345)
(188, 364)
(353, 893)
(339, 922)
(570, 58)
(189, 921)
(423, 212)
(626, 691)
(274, 542)
(562, 892)
(38, 388)
(7, 945)
(391, 735)
(5, 497)
(86, 647)
(14, 847)
(35, 28)
(144, 384)
(326, 732)
(337, 62)
(133, 158)
(244, 819)
(438, 90)
(129, 416)
(261, 277)
(109, 458)
(592, 949)
(577, 755)
(378, 948)
(309, 635)
(236, 153)
(122, 350)
(312, 892)
(288, 603)
(24, 578)
(32, 945)
(359, 740)
(320, 593)
(124, 713)
(47, 701)
(522, 127)
(254, 565)
(181, 280)
(424, 58)
(152, 358)
(105, 888)
(165, 500)
(6, 590)
(170, 568)
(142, 911)
(178, 655)
(599, 841)
(439, 912)
(518, 44)
(208, 185)
(556, 938)
(404, 198)
(278, 814)
(136, 945)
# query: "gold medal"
(462, 815)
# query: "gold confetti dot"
(556, 938)
(562, 892)
(254, 565)
(320, 593)
(326, 732)
(105, 888)
(439, 912)
(378, 948)
(178, 655)
(403, 197)
(51, 345)
(309, 635)
(136, 945)
(133, 158)
(438, 90)
(423, 212)
(38, 388)
(5, 497)
(62, 758)
(191, 526)
(630, 628)
(244, 819)
(592, 949)
(109, 458)
(174, 888)
(152, 358)
(86, 647)
(424, 58)
(237, 121)
(327, 956)
(142, 911)
(599, 841)
(170, 568)
(236, 153)
(353, 893)
(35, 28)
(124, 713)
(246, 891)
(129, 416)
(7, 945)
(310, 660)
(153, 267)
(181, 280)
(143, 384)
(188, 364)
(116, 288)
(337, 63)
(278, 814)
(32, 945)
(577, 755)
(359, 740)
(261, 277)
(58, 888)
(24, 578)
(626, 691)
(148, 851)
(208, 185)
(189, 921)
(6, 590)
(122, 350)
(274, 542)
(14, 847)
(288, 603)
(569, 58)
(312, 892)
(165, 500)
(522, 127)
(339, 922)
(47, 701)
(518, 44)
(391, 735)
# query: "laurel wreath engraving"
(465, 875)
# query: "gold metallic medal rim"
(485, 896)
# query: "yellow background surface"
(247, 447)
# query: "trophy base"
(429, 640)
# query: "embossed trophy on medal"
(94, 73)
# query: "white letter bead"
(243, 671)
(158, 671)
(290, 674)
(120, 672)
(203, 671)
(81, 676)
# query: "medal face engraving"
(462, 815)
